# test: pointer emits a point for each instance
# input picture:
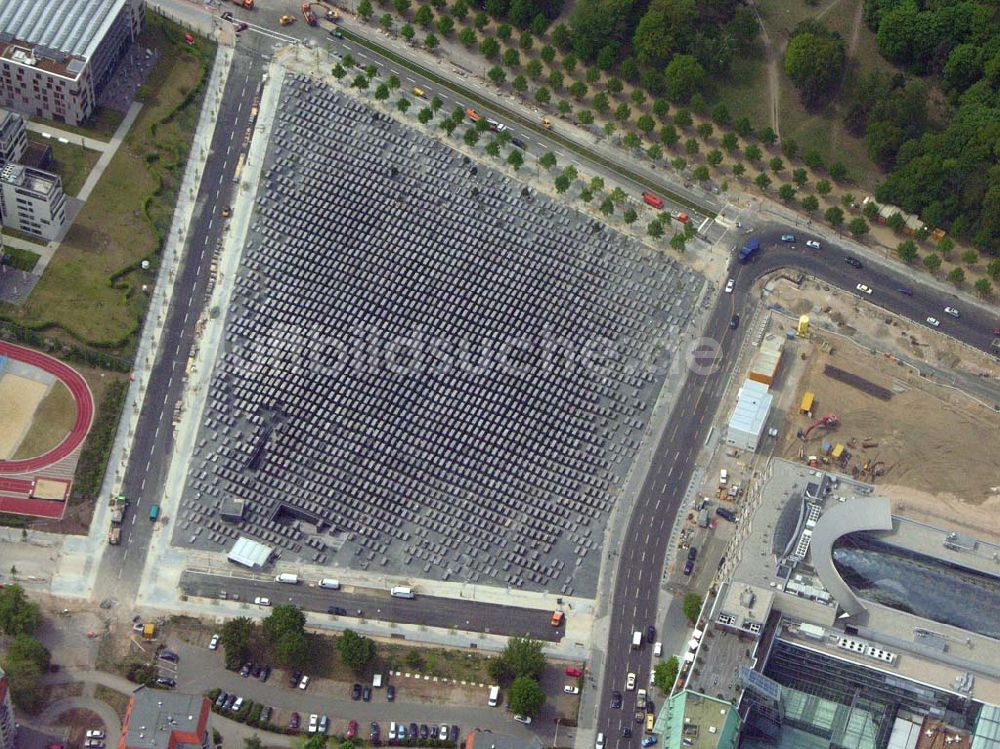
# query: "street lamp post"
(555, 740)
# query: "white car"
(933, 321)
(952, 311)
(96, 734)
(526, 719)
(599, 744)
(864, 289)
(813, 243)
(730, 285)
(304, 682)
(313, 723)
(262, 601)
(214, 644)
(443, 732)
(630, 682)
(570, 689)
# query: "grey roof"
(161, 719)
(752, 408)
(249, 553)
(74, 27)
(870, 514)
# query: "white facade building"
(746, 425)
(32, 201)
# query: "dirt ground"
(53, 419)
(933, 441)
(19, 397)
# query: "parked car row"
(257, 671)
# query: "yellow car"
(546, 124)
(286, 20)
(227, 212)
(417, 91)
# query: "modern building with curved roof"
(870, 514)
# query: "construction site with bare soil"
(859, 406)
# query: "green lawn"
(90, 290)
(745, 93)
(72, 163)
(21, 259)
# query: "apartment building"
(32, 201)
(13, 137)
(57, 55)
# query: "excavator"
(329, 12)
(829, 421)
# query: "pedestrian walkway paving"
(47, 129)
(109, 151)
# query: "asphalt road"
(465, 615)
(146, 473)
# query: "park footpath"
(81, 557)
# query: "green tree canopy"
(235, 639)
(665, 674)
(356, 651)
(285, 618)
(692, 607)
(526, 696)
(814, 60)
(18, 615)
(25, 663)
(684, 76)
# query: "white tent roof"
(249, 553)
(752, 408)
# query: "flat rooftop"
(57, 29)
(160, 719)
(775, 555)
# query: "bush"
(692, 607)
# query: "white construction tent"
(250, 553)
(746, 425)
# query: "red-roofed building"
(158, 719)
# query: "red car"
(352, 729)
(574, 672)
(652, 200)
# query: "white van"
(377, 681)
(401, 592)
(392, 730)
(494, 696)
(287, 577)
(329, 583)
(658, 649)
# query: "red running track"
(84, 408)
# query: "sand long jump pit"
(429, 369)
(19, 400)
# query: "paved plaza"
(429, 370)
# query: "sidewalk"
(47, 129)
